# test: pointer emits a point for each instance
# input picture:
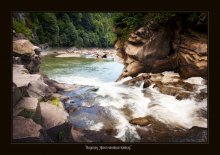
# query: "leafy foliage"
(125, 23)
(69, 29)
(94, 29)
(20, 27)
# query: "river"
(103, 104)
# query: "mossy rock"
(26, 113)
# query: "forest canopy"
(65, 29)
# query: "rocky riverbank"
(98, 53)
(39, 111)
(45, 110)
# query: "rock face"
(192, 55)
(25, 128)
(159, 48)
(169, 83)
(29, 84)
(29, 103)
(52, 115)
(25, 53)
(160, 132)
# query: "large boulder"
(23, 46)
(25, 128)
(18, 93)
(58, 86)
(21, 76)
(32, 84)
(142, 121)
(52, 115)
(149, 45)
(157, 131)
(29, 103)
(27, 54)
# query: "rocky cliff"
(173, 46)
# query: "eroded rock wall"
(157, 48)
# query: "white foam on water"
(97, 127)
(195, 80)
(175, 112)
(115, 96)
(123, 126)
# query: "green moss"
(31, 114)
(27, 113)
(20, 27)
(55, 101)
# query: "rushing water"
(104, 107)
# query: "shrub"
(20, 27)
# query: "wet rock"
(58, 86)
(25, 128)
(182, 95)
(134, 81)
(171, 84)
(172, 89)
(92, 136)
(137, 81)
(147, 83)
(198, 134)
(88, 117)
(201, 96)
(78, 136)
(134, 68)
(52, 115)
(165, 89)
(153, 130)
(103, 55)
(142, 121)
(60, 133)
(127, 111)
(61, 97)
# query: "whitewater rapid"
(113, 105)
(113, 97)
